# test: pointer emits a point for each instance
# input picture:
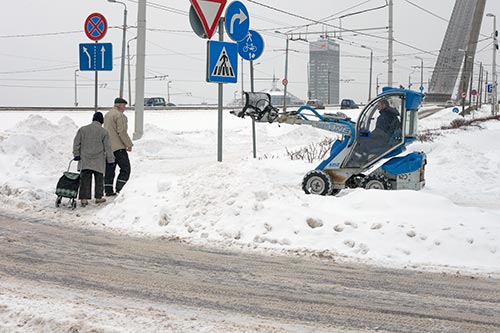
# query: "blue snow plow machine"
(364, 156)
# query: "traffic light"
(496, 33)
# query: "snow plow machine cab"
(363, 156)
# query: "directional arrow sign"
(209, 12)
(237, 21)
(96, 57)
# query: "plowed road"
(314, 294)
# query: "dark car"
(348, 104)
(154, 101)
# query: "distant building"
(277, 96)
(324, 71)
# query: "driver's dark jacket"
(387, 123)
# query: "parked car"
(348, 104)
(154, 101)
(315, 104)
(450, 103)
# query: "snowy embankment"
(178, 190)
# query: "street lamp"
(76, 91)
(285, 79)
(122, 69)
(371, 69)
(494, 65)
(128, 62)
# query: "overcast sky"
(40, 70)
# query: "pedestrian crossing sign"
(222, 62)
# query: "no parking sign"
(95, 26)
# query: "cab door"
(369, 146)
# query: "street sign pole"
(221, 101)
(254, 137)
(96, 91)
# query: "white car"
(450, 103)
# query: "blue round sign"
(252, 46)
(456, 110)
(237, 21)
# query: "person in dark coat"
(380, 138)
(92, 148)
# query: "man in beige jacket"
(116, 123)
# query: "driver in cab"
(387, 123)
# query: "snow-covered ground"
(178, 189)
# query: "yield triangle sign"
(209, 12)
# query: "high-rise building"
(324, 71)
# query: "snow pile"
(178, 190)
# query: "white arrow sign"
(241, 16)
(103, 50)
(88, 56)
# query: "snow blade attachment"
(258, 107)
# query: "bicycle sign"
(252, 46)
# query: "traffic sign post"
(95, 26)
(209, 13)
(252, 46)
(96, 57)
(237, 21)
(222, 62)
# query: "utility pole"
(371, 70)
(486, 85)
(421, 74)
(470, 85)
(285, 79)
(390, 47)
(463, 87)
(122, 68)
(479, 86)
(377, 85)
(242, 82)
(128, 65)
(494, 101)
(140, 70)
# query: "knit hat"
(120, 100)
(98, 117)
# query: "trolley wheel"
(317, 182)
(58, 201)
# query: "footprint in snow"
(352, 224)
(338, 228)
